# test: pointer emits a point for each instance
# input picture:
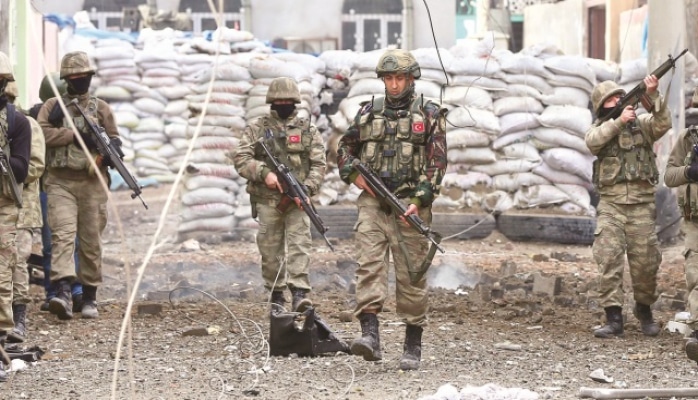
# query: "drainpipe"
(407, 24)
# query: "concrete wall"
(443, 18)
(273, 19)
(562, 24)
(626, 38)
(68, 7)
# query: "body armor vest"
(688, 194)
(5, 183)
(628, 157)
(394, 141)
(72, 156)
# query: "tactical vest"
(292, 147)
(688, 194)
(627, 158)
(5, 127)
(393, 141)
(72, 156)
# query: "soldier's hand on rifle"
(651, 84)
(411, 209)
(272, 182)
(628, 115)
(87, 138)
(361, 183)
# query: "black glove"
(116, 144)
(55, 117)
(87, 138)
(692, 172)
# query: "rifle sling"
(415, 275)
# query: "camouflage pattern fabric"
(690, 254)
(627, 229)
(20, 273)
(377, 235)
(8, 258)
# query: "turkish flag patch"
(418, 127)
(294, 139)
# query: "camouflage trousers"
(626, 229)
(378, 236)
(76, 207)
(284, 243)
(20, 273)
(8, 258)
(690, 228)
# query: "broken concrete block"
(551, 286)
(149, 309)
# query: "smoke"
(453, 273)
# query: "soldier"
(625, 174)
(28, 223)
(15, 142)
(682, 172)
(283, 239)
(403, 138)
(76, 198)
(45, 93)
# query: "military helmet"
(46, 91)
(283, 89)
(398, 61)
(602, 92)
(11, 90)
(6, 67)
(74, 63)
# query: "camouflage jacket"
(422, 128)
(295, 142)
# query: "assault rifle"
(294, 190)
(7, 173)
(399, 209)
(111, 153)
(634, 96)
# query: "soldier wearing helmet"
(73, 187)
(15, 142)
(284, 238)
(682, 172)
(625, 175)
(402, 138)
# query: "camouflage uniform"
(625, 175)
(283, 238)
(76, 198)
(681, 159)
(16, 143)
(404, 141)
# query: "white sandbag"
(479, 81)
(174, 92)
(112, 52)
(350, 105)
(204, 46)
(149, 163)
(571, 65)
(150, 124)
(512, 182)
(239, 87)
(193, 182)
(216, 156)
(520, 151)
(566, 96)
(216, 142)
(209, 210)
(159, 81)
(138, 137)
(604, 70)
(471, 155)
(466, 180)
(309, 61)
(149, 106)
(518, 121)
(508, 105)
(368, 60)
(211, 130)
(255, 101)
(523, 64)
(169, 64)
(531, 80)
(147, 144)
(176, 107)
(112, 93)
(116, 63)
(120, 72)
(468, 96)
(557, 176)
(497, 201)
(226, 72)
(539, 195)
(553, 137)
(371, 86)
(633, 70)
(426, 88)
(338, 62)
(518, 90)
(578, 194)
(271, 67)
(473, 66)
(231, 35)
(161, 72)
(571, 81)
(223, 171)
(208, 195)
(500, 167)
(126, 118)
(218, 97)
(167, 150)
(514, 137)
(576, 120)
(228, 110)
(435, 75)
(429, 57)
(221, 121)
(568, 160)
(474, 118)
(218, 224)
(463, 138)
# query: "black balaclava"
(284, 110)
(604, 111)
(79, 85)
(402, 100)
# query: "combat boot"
(19, 332)
(614, 323)
(412, 350)
(277, 300)
(368, 345)
(89, 302)
(692, 346)
(3, 373)
(61, 304)
(78, 302)
(643, 313)
(298, 302)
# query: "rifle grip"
(284, 204)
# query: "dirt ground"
(517, 339)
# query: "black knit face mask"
(79, 85)
(284, 110)
(606, 111)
